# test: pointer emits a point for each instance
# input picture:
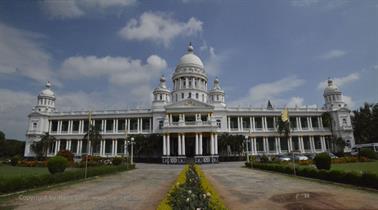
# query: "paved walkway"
(142, 188)
(243, 188)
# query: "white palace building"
(190, 117)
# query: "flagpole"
(89, 127)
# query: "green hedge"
(359, 179)
(23, 182)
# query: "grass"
(12, 171)
(371, 167)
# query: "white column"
(254, 145)
(254, 123)
(250, 124)
(115, 126)
(309, 122)
(312, 145)
(138, 127)
(299, 124)
(183, 144)
(322, 140)
(238, 123)
(78, 148)
(101, 148)
(89, 147)
(128, 125)
(103, 126)
(168, 145)
(212, 144)
(125, 147)
(59, 126)
(228, 124)
(320, 120)
(56, 147)
(266, 145)
(68, 144)
(116, 147)
(70, 122)
(50, 125)
(278, 145)
(179, 144)
(200, 144)
(241, 124)
(265, 123)
(301, 146)
(113, 145)
(80, 126)
(289, 145)
(197, 144)
(164, 145)
(216, 143)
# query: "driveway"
(142, 188)
(243, 188)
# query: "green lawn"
(363, 166)
(11, 171)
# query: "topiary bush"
(67, 154)
(368, 153)
(322, 161)
(14, 160)
(57, 164)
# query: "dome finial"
(48, 84)
(190, 47)
(330, 82)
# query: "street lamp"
(132, 142)
(246, 147)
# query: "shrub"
(57, 164)
(117, 161)
(322, 161)
(14, 160)
(368, 153)
(67, 154)
(264, 159)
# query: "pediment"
(189, 104)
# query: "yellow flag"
(285, 115)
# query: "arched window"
(197, 95)
(190, 95)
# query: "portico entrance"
(178, 147)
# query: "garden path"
(243, 188)
(142, 188)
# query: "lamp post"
(131, 142)
(246, 147)
(88, 148)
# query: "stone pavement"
(142, 188)
(243, 188)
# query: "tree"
(2, 143)
(40, 147)
(284, 128)
(94, 136)
(234, 142)
(365, 123)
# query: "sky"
(110, 54)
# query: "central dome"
(190, 58)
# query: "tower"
(46, 100)
(340, 114)
(189, 78)
(39, 118)
(216, 94)
(161, 94)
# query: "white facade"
(190, 117)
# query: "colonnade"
(181, 142)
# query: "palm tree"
(40, 148)
(284, 128)
(93, 135)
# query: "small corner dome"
(331, 88)
(190, 58)
(47, 92)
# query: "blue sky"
(110, 54)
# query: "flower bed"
(359, 179)
(22, 182)
(191, 191)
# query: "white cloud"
(349, 101)
(333, 54)
(22, 54)
(119, 70)
(340, 81)
(324, 4)
(261, 93)
(295, 102)
(62, 9)
(159, 27)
